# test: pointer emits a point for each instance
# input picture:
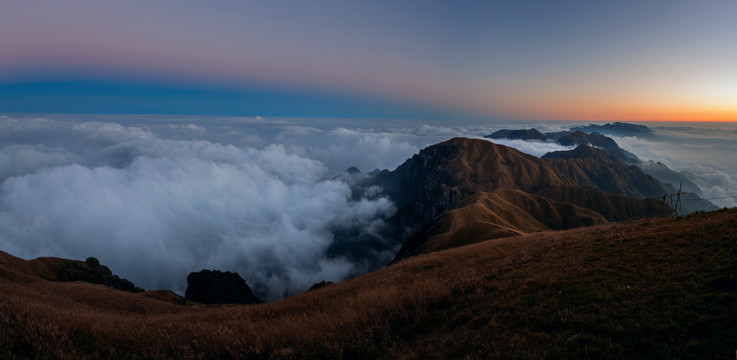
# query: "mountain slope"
(613, 207)
(502, 213)
(594, 168)
(663, 288)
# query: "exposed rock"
(90, 271)
(217, 287)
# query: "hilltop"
(654, 288)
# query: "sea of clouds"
(157, 197)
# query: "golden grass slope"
(501, 213)
(613, 207)
(664, 288)
(481, 165)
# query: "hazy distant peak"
(353, 170)
(618, 129)
(528, 134)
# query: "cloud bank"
(158, 197)
(706, 159)
(155, 210)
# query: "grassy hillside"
(501, 213)
(663, 288)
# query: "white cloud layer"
(707, 161)
(158, 197)
(155, 210)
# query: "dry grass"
(648, 289)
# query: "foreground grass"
(649, 289)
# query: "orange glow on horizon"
(613, 107)
(656, 115)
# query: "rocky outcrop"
(67, 270)
(217, 287)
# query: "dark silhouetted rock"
(217, 287)
(90, 271)
(92, 262)
(353, 170)
(529, 134)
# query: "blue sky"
(570, 60)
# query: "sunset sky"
(530, 60)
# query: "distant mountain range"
(618, 129)
(670, 180)
(570, 138)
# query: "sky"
(499, 60)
